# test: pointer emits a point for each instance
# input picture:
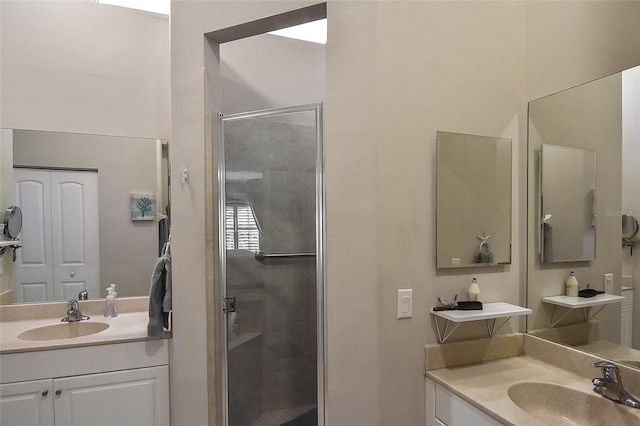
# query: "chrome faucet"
(73, 313)
(610, 385)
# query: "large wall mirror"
(577, 210)
(95, 211)
(473, 201)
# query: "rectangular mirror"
(49, 175)
(473, 201)
(567, 204)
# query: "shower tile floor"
(275, 418)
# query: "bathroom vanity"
(518, 379)
(114, 376)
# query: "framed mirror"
(569, 129)
(567, 204)
(473, 201)
(81, 230)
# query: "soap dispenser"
(110, 309)
(571, 285)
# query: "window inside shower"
(241, 228)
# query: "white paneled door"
(60, 253)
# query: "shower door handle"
(229, 304)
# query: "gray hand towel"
(160, 296)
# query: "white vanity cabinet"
(120, 384)
(136, 397)
(444, 408)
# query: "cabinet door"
(27, 403)
(132, 397)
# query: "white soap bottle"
(571, 285)
(473, 292)
(110, 309)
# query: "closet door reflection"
(271, 187)
(60, 254)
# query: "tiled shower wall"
(275, 298)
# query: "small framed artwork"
(143, 206)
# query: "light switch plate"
(608, 283)
(405, 303)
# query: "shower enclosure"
(270, 227)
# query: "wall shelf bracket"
(444, 334)
(598, 302)
(490, 313)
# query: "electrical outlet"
(608, 283)
(455, 260)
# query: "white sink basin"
(65, 330)
(556, 405)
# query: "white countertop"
(126, 327)
(129, 326)
(486, 384)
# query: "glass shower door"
(272, 234)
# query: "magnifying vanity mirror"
(575, 208)
(83, 227)
(473, 201)
(11, 224)
(629, 227)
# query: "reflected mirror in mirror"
(601, 117)
(568, 201)
(79, 228)
(473, 201)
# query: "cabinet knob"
(45, 392)
(58, 392)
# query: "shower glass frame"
(320, 245)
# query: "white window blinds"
(241, 231)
